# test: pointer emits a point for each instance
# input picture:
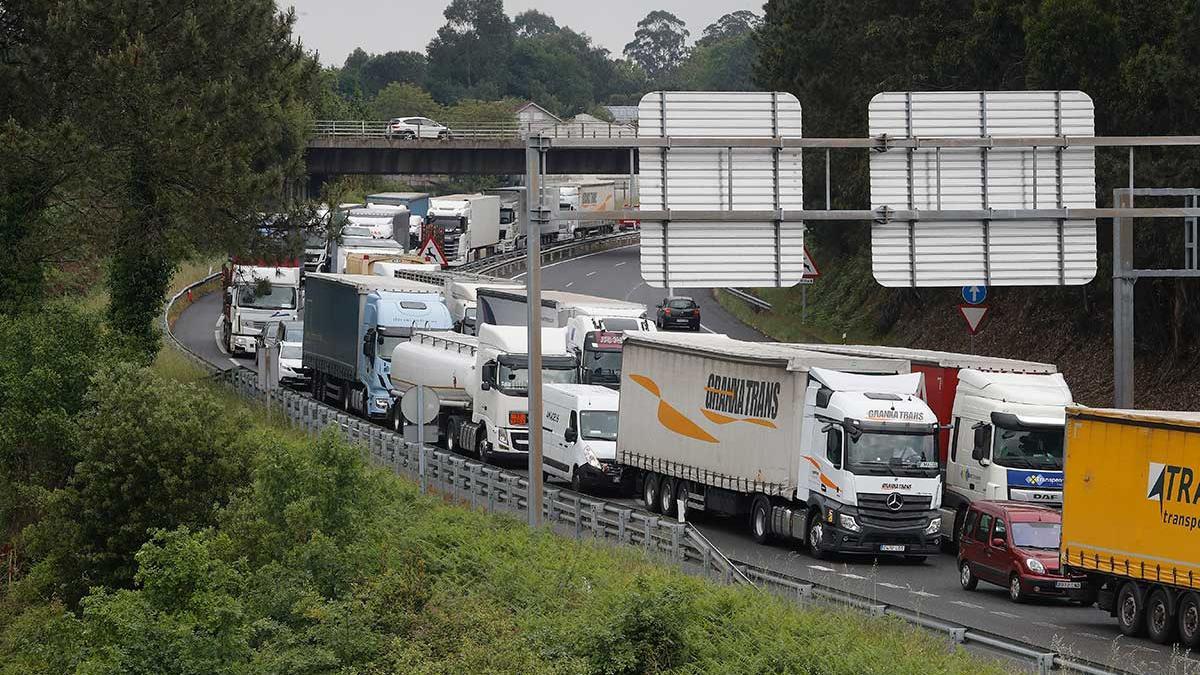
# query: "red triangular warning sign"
(431, 252)
(974, 316)
(810, 267)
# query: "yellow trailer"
(1131, 517)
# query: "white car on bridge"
(416, 127)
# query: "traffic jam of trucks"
(840, 450)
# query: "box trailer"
(469, 225)
(834, 451)
(1131, 518)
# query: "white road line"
(1007, 615)
(822, 568)
(619, 264)
(1098, 637)
(923, 594)
(703, 327)
(590, 274)
(236, 365)
(560, 262)
(634, 290)
(851, 576)
(890, 585)
(1047, 624)
(569, 284)
(970, 605)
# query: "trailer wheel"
(1131, 610)
(576, 479)
(1160, 622)
(666, 496)
(650, 491)
(452, 435)
(346, 398)
(760, 520)
(482, 447)
(1189, 620)
(681, 495)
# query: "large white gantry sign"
(998, 241)
(741, 173)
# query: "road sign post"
(536, 214)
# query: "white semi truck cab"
(1007, 439)
(257, 293)
(870, 464)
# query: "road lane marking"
(590, 274)
(890, 585)
(852, 576)
(1047, 624)
(588, 255)
(1006, 615)
(923, 594)
(970, 605)
(619, 264)
(237, 365)
(1096, 637)
(634, 290)
(569, 284)
(822, 568)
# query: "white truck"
(378, 222)
(469, 225)
(257, 292)
(594, 325)
(1002, 422)
(568, 200)
(837, 452)
(482, 384)
(597, 196)
(579, 435)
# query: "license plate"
(1068, 584)
(892, 548)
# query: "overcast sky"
(336, 28)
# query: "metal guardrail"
(508, 264)
(749, 299)
(486, 131)
(497, 490)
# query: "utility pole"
(535, 216)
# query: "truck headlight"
(934, 526)
(1035, 566)
(848, 522)
(382, 403)
(502, 435)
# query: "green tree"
(469, 55)
(532, 23)
(733, 24)
(723, 59)
(403, 99)
(381, 70)
(660, 43)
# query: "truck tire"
(666, 496)
(760, 520)
(482, 448)
(452, 428)
(346, 399)
(1189, 620)
(1131, 610)
(650, 492)
(814, 534)
(681, 495)
(396, 419)
(576, 479)
(1160, 621)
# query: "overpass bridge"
(355, 147)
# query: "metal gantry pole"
(534, 152)
(1123, 281)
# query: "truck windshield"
(1030, 448)
(893, 454)
(449, 222)
(513, 379)
(1037, 535)
(598, 425)
(601, 367)
(271, 297)
(389, 342)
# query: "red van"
(1015, 545)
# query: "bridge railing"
(474, 130)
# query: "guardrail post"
(708, 568)
(676, 552)
(646, 542)
(597, 529)
(551, 499)
(578, 516)
(474, 489)
(623, 525)
(489, 482)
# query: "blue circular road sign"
(973, 295)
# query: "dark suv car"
(678, 311)
(1015, 545)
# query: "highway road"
(930, 588)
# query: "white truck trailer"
(1002, 425)
(482, 384)
(837, 452)
(470, 225)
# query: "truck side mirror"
(484, 385)
(833, 447)
(369, 345)
(983, 437)
(487, 375)
(570, 435)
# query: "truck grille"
(520, 440)
(913, 513)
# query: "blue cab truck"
(352, 323)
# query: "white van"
(579, 434)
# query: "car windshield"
(601, 367)
(598, 425)
(681, 304)
(1029, 448)
(266, 296)
(291, 352)
(1037, 535)
(514, 380)
(893, 454)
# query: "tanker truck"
(480, 384)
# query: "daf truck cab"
(579, 435)
(257, 293)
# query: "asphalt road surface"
(930, 588)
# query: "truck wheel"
(650, 492)
(760, 520)
(346, 399)
(1189, 620)
(452, 435)
(397, 418)
(966, 577)
(1160, 623)
(482, 447)
(576, 479)
(1131, 610)
(1015, 592)
(666, 496)
(681, 493)
(816, 532)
